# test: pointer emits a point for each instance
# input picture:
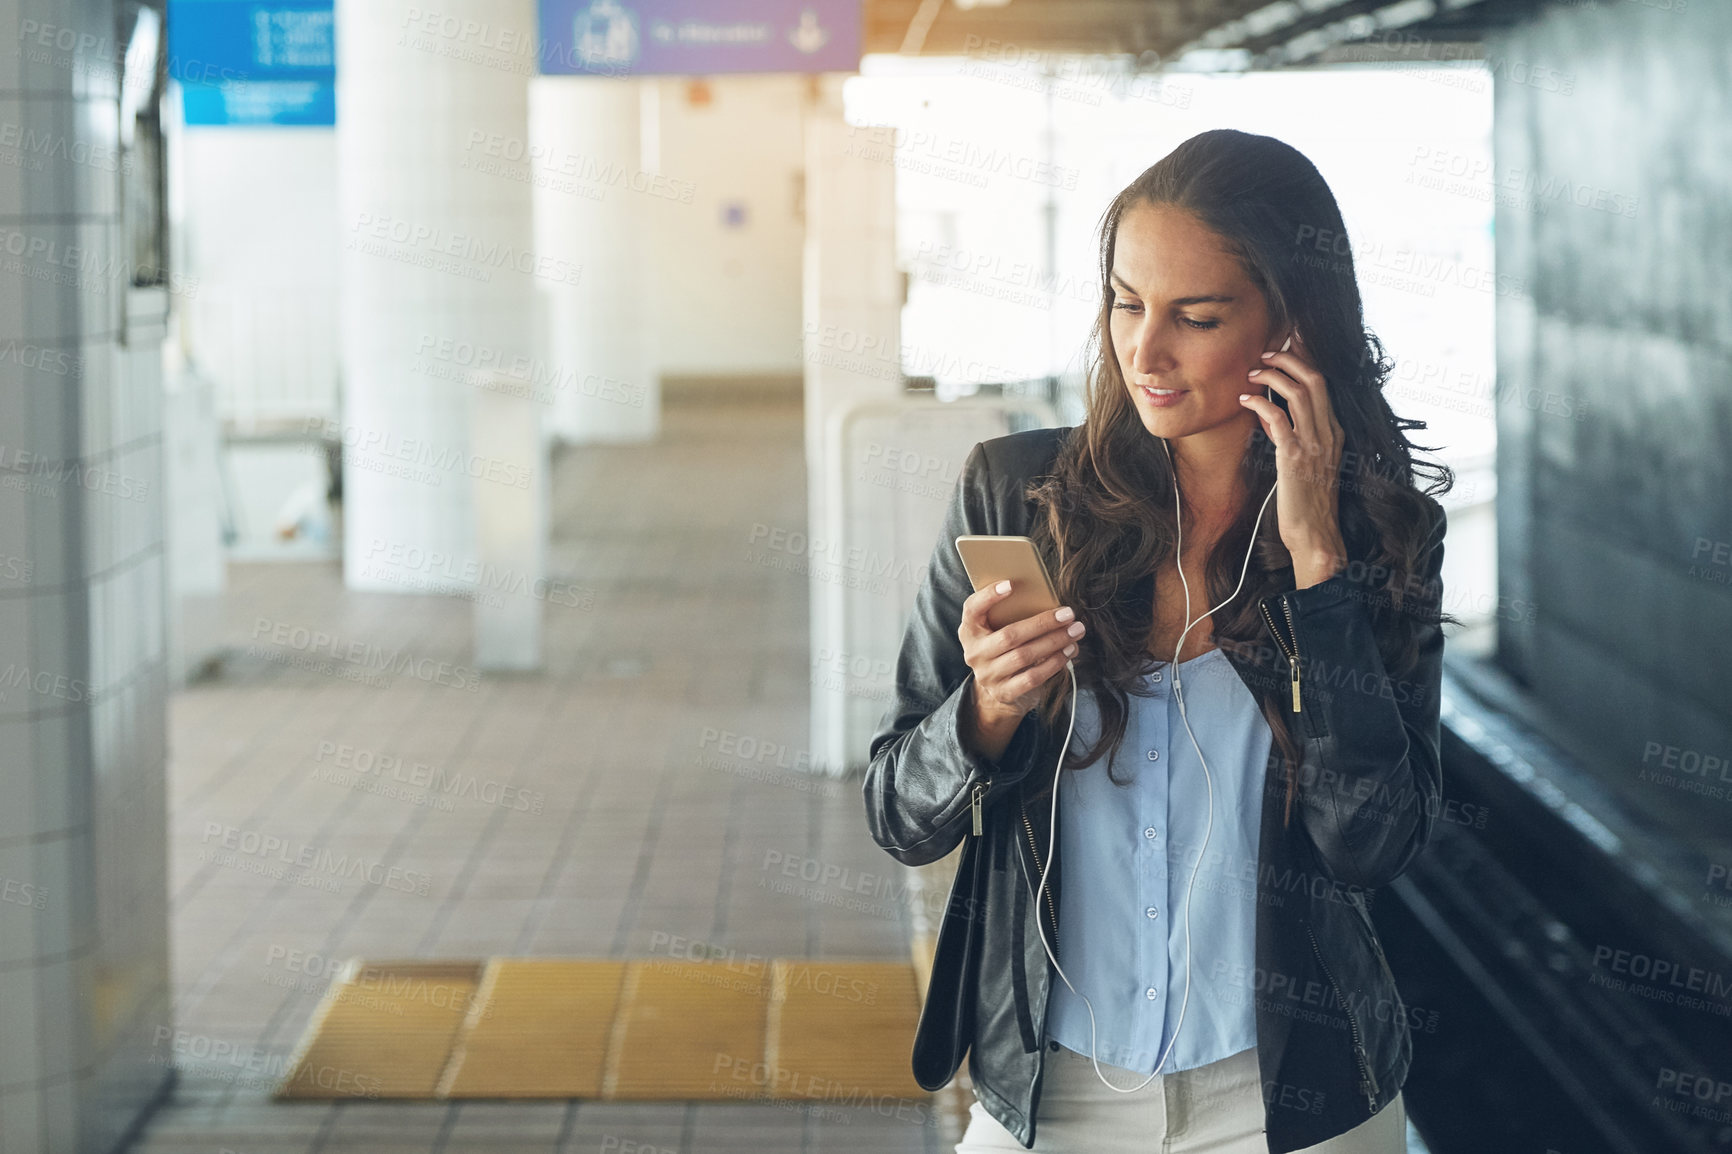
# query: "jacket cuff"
(1331, 590)
(935, 744)
(1010, 766)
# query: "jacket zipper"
(1292, 654)
(974, 803)
(1377, 947)
(1039, 869)
(1367, 1081)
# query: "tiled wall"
(83, 894)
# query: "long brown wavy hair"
(1105, 522)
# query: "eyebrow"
(1207, 298)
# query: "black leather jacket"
(1333, 1040)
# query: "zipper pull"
(979, 792)
(1293, 659)
(1367, 1085)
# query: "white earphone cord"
(1179, 695)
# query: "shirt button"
(1151, 911)
(1149, 833)
(1150, 993)
(1154, 755)
(1157, 675)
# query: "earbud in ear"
(1288, 342)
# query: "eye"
(1201, 324)
(1130, 306)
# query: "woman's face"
(1186, 319)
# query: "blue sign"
(254, 61)
(698, 37)
(287, 102)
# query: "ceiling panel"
(1167, 26)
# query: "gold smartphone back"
(989, 560)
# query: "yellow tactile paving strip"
(687, 1030)
(844, 1029)
(539, 1029)
(383, 1030)
(645, 1029)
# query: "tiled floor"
(591, 810)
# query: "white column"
(511, 522)
(84, 984)
(852, 328)
(438, 265)
(593, 158)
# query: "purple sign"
(698, 37)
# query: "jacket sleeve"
(920, 778)
(1369, 788)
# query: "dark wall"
(1613, 180)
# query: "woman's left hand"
(1307, 461)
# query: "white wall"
(725, 300)
(258, 233)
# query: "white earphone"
(1178, 694)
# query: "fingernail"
(1075, 630)
(1266, 356)
(1065, 614)
(1253, 372)
(1070, 650)
(1002, 587)
(1287, 342)
(1244, 396)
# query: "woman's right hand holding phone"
(1011, 665)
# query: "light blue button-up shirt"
(1127, 855)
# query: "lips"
(1160, 397)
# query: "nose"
(1150, 355)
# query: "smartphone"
(989, 560)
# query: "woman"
(1244, 741)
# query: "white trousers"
(1212, 1109)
